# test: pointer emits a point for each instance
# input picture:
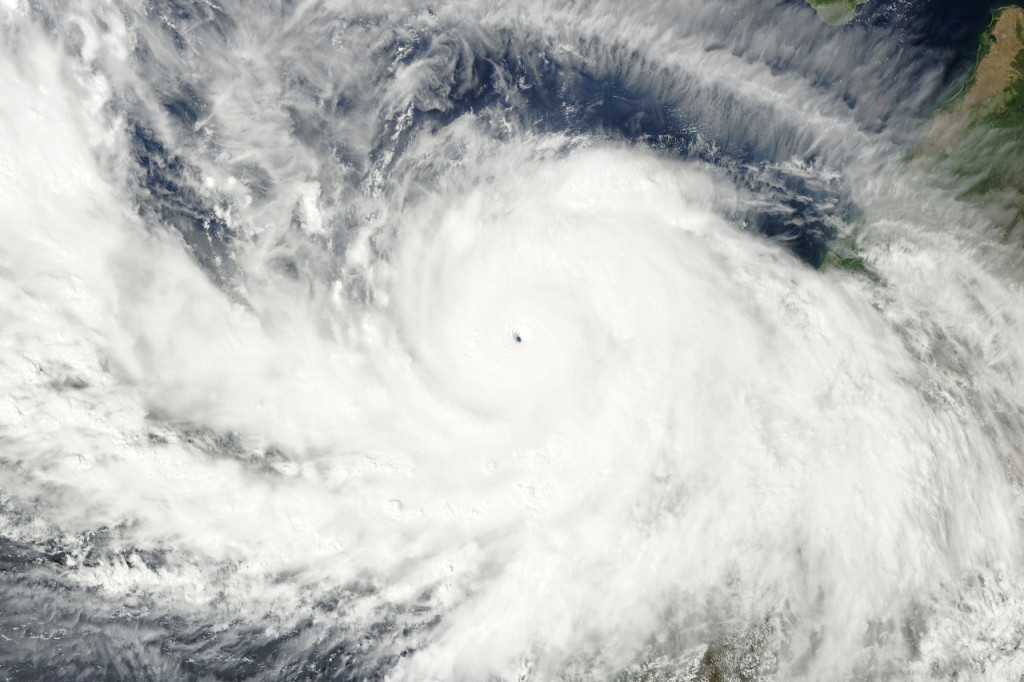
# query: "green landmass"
(835, 11)
(977, 138)
(975, 142)
(850, 263)
(843, 256)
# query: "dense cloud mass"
(499, 341)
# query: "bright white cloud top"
(386, 341)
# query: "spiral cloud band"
(454, 342)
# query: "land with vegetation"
(835, 11)
(975, 141)
(978, 136)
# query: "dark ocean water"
(579, 97)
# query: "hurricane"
(535, 340)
